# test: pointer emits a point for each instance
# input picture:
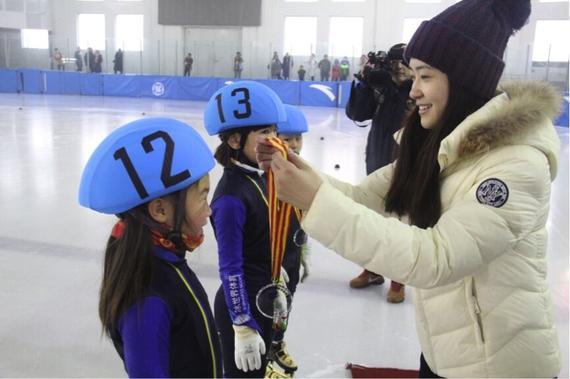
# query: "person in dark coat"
(78, 60)
(287, 64)
(118, 62)
(89, 59)
(382, 96)
(325, 68)
(97, 62)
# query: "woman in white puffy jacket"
(461, 215)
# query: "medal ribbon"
(279, 216)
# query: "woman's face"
(430, 90)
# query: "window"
(34, 39)
(551, 41)
(91, 31)
(300, 35)
(345, 36)
(410, 27)
(425, 1)
(129, 32)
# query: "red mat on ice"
(359, 371)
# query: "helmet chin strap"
(175, 235)
(240, 156)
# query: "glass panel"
(345, 36)
(551, 41)
(91, 31)
(129, 32)
(300, 35)
(35, 39)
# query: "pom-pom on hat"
(242, 104)
(467, 41)
(296, 122)
(141, 161)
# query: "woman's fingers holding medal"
(296, 182)
(264, 152)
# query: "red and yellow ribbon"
(279, 216)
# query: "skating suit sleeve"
(228, 216)
(145, 331)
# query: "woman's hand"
(264, 151)
(296, 182)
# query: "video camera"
(382, 65)
(380, 60)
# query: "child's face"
(294, 141)
(251, 141)
(197, 207)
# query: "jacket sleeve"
(145, 331)
(361, 104)
(467, 236)
(228, 217)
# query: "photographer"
(381, 94)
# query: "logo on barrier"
(158, 89)
(324, 89)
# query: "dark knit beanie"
(467, 41)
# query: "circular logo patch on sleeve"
(493, 192)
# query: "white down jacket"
(483, 307)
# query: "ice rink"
(51, 248)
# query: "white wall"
(165, 46)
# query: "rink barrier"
(318, 94)
(308, 93)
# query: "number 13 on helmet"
(243, 104)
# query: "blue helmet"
(242, 104)
(141, 161)
(296, 122)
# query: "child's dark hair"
(127, 267)
(225, 153)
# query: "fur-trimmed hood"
(521, 113)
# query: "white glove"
(305, 262)
(249, 347)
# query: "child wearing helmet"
(238, 113)
(153, 174)
(297, 250)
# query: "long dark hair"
(415, 188)
(126, 269)
(128, 263)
